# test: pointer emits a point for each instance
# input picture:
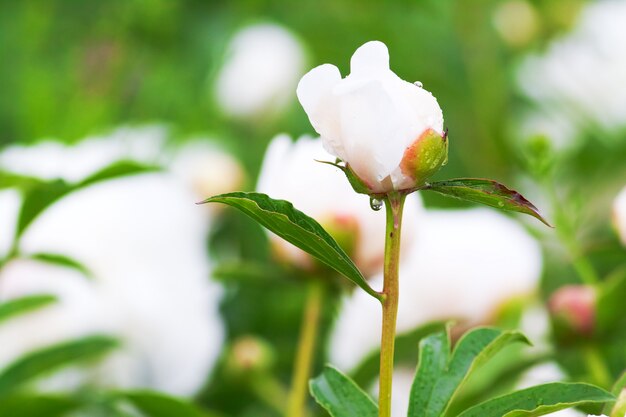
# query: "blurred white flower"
(402, 382)
(144, 241)
(9, 210)
(580, 78)
(207, 169)
(619, 214)
(388, 131)
(494, 260)
(261, 69)
(290, 171)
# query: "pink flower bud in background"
(388, 131)
(575, 306)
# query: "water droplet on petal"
(376, 204)
(418, 84)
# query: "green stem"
(306, 350)
(270, 391)
(597, 367)
(394, 204)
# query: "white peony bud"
(495, 260)
(389, 132)
(261, 69)
(619, 214)
(290, 172)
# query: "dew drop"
(419, 84)
(376, 204)
(500, 204)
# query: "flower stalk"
(394, 203)
(306, 350)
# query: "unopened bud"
(575, 307)
(249, 355)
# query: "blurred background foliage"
(70, 69)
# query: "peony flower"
(150, 281)
(619, 214)
(577, 84)
(495, 260)
(262, 67)
(389, 132)
(290, 172)
(575, 307)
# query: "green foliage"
(24, 405)
(488, 192)
(154, 404)
(539, 400)
(61, 260)
(340, 396)
(40, 362)
(281, 218)
(17, 306)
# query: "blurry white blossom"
(619, 214)
(260, 72)
(144, 241)
(9, 211)
(402, 383)
(388, 131)
(579, 81)
(290, 171)
(464, 265)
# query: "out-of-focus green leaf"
(488, 192)
(281, 218)
(539, 400)
(25, 304)
(21, 182)
(404, 353)
(154, 404)
(619, 390)
(61, 260)
(434, 354)
(40, 196)
(475, 348)
(22, 405)
(610, 301)
(340, 396)
(37, 363)
(247, 272)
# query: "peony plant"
(388, 138)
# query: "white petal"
(314, 92)
(371, 59)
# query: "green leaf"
(340, 396)
(619, 390)
(154, 404)
(281, 218)
(488, 192)
(43, 194)
(21, 182)
(434, 354)
(37, 363)
(539, 400)
(61, 260)
(475, 348)
(22, 405)
(17, 306)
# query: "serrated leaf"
(539, 400)
(41, 195)
(22, 405)
(475, 348)
(283, 219)
(17, 306)
(434, 355)
(61, 260)
(154, 404)
(488, 192)
(340, 396)
(37, 363)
